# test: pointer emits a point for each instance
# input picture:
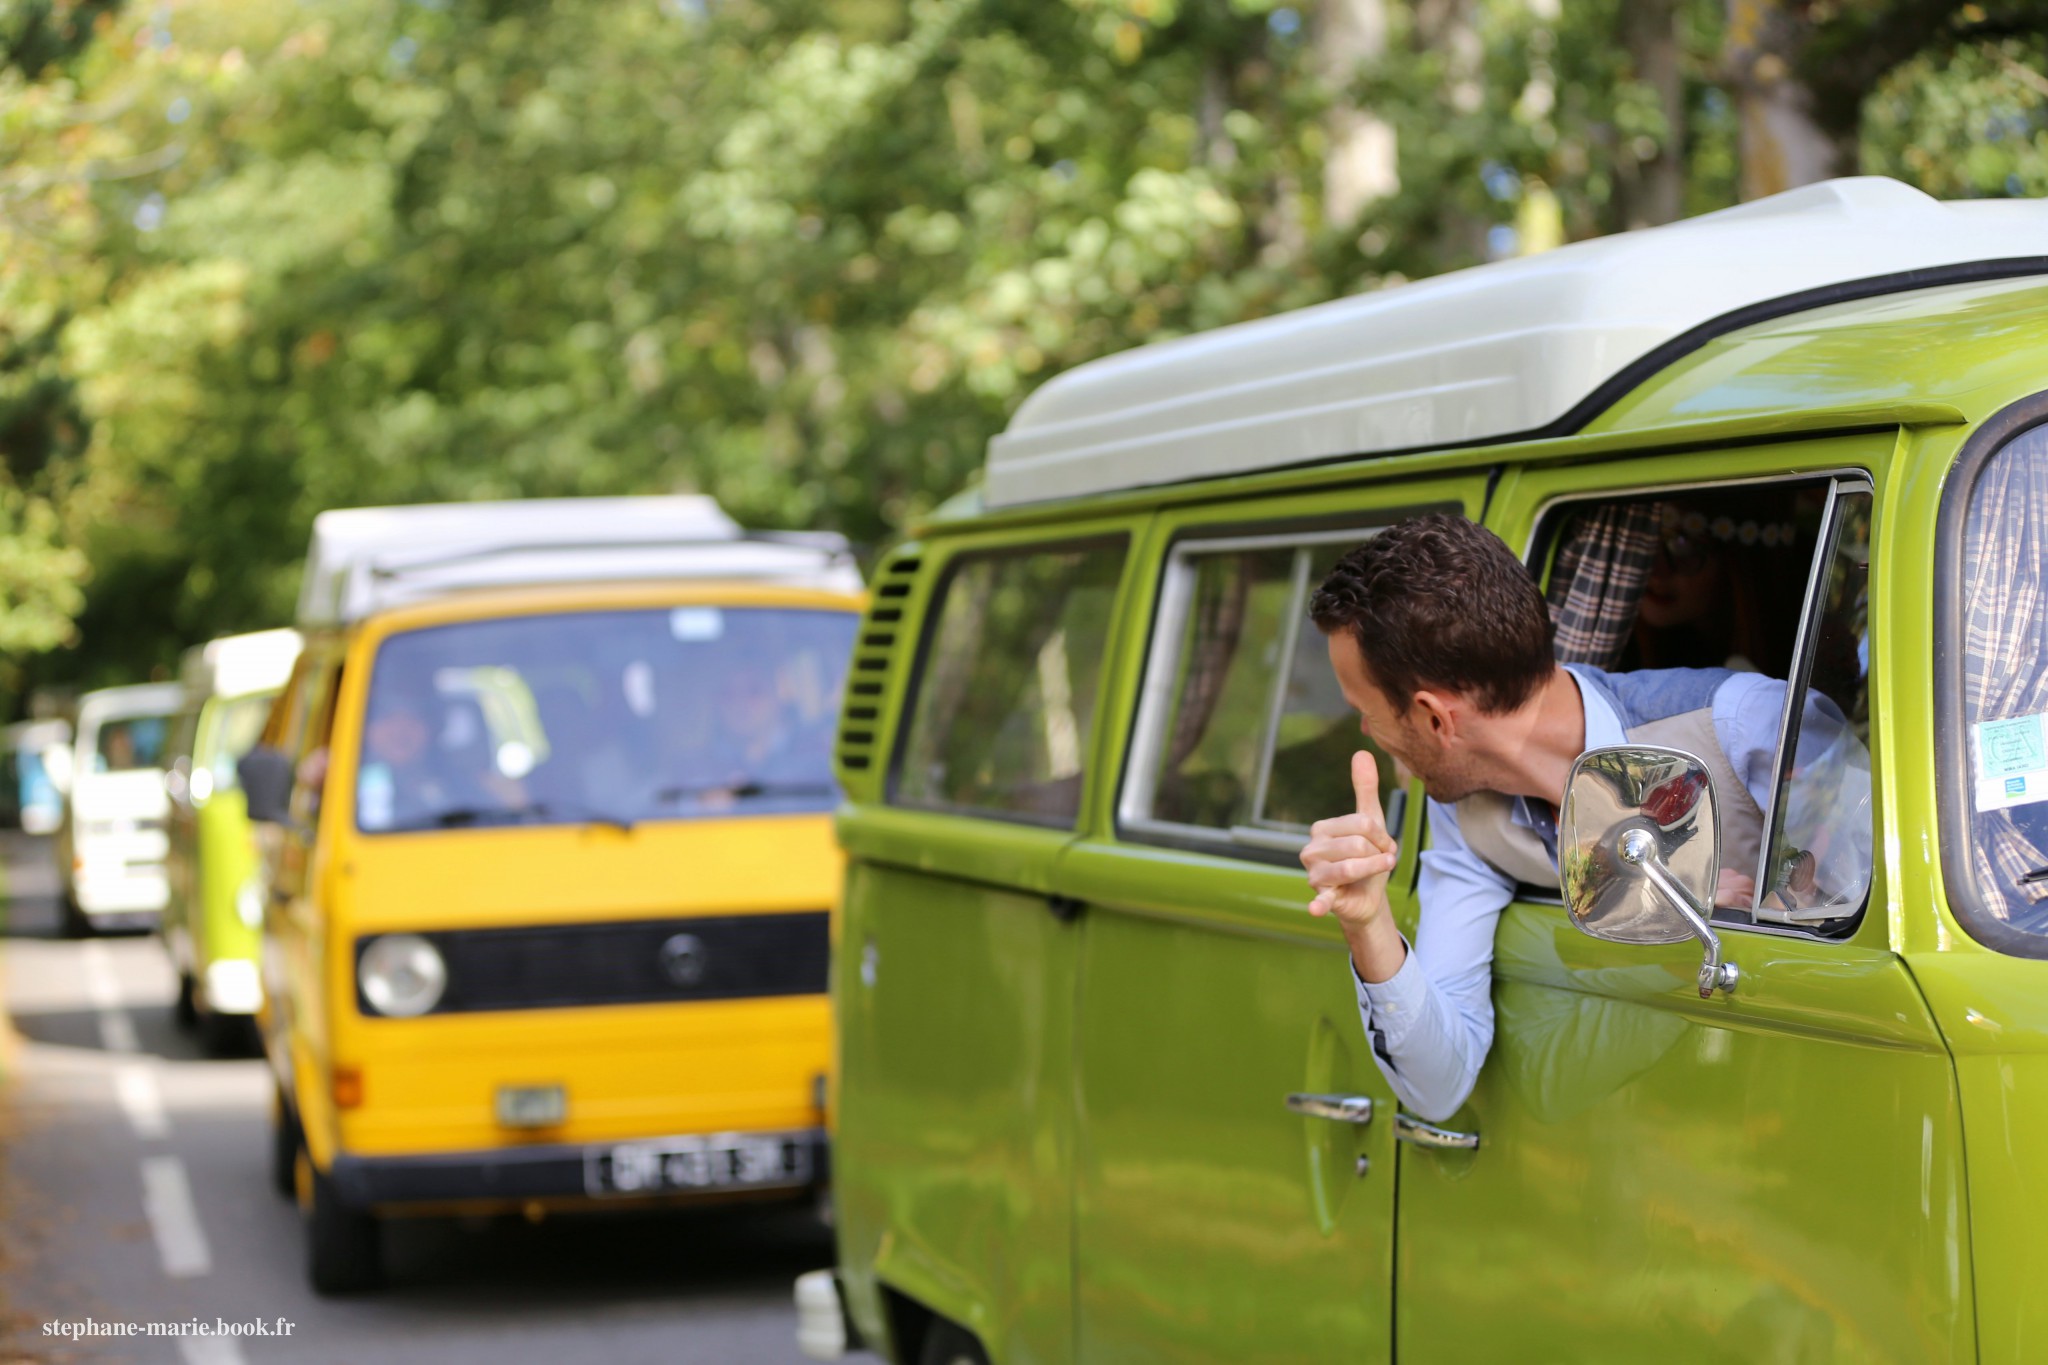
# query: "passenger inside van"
(427, 760)
(1715, 592)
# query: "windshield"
(1998, 690)
(614, 717)
(130, 743)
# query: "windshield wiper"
(745, 788)
(463, 817)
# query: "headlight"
(401, 975)
(249, 903)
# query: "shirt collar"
(1603, 727)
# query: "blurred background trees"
(262, 257)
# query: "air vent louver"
(874, 657)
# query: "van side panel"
(1995, 1012)
(953, 1142)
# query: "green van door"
(955, 967)
(1775, 1174)
(1234, 1168)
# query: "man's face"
(397, 737)
(1414, 745)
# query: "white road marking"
(210, 1351)
(135, 1087)
(103, 988)
(117, 1032)
(167, 1198)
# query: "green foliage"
(261, 259)
(1965, 122)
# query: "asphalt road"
(133, 1190)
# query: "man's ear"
(1438, 712)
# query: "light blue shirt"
(1430, 1024)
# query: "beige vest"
(1484, 818)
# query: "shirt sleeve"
(1747, 710)
(1826, 810)
(1430, 1024)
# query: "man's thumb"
(1365, 781)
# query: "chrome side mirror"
(1639, 850)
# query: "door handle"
(1341, 1108)
(1408, 1128)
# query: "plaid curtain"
(1598, 580)
(2005, 650)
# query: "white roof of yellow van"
(236, 665)
(1514, 348)
(366, 559)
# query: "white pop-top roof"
(136, 699)
(1495, 351)
(366, 559)
(237, 665)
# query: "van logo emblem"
(682, 959)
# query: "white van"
(111, 844)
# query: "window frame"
(1951, 702)
(1137, 789)
(1796, 687)
(1540, 555)
(1124, 540)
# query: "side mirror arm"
(1639, 849)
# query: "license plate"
(532, 1106)
(712, 1162)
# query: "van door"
(1233, 1147)
(1774, 1174)
(954, 974)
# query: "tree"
(807, 255)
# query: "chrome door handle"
(1342, 1108)
(1408, 1128)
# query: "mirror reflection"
(1626, 808)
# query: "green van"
(1102, 1092)
(213, 918)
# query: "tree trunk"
(1782, 145)
(1652, 189)
(1360, 165)
(1450, 29)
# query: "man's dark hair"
(1440, 601)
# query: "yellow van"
(551, 863)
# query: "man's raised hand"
(1348, 857)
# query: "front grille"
(726, 957)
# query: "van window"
(613, 716)
(130, 744)
(1007, 687)
(1698, 579)
(236, 728)
(1244, 738)
(1999, 627)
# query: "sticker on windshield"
(694, 625)
(2012, 761)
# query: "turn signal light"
(348, 1087)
